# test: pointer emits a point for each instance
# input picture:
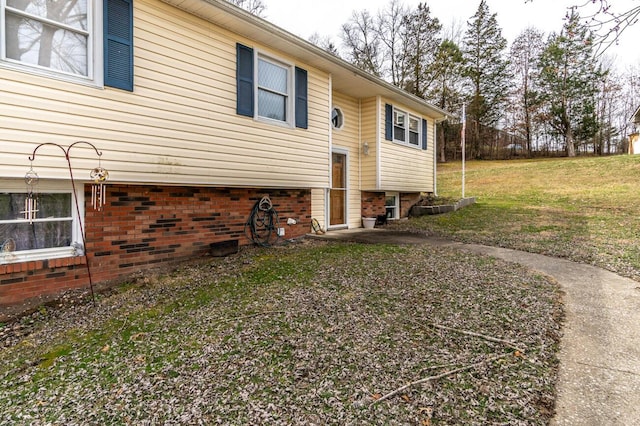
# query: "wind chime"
(31, 201)
(98, 190)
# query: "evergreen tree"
(446, 90)
(569, 77)
(486, 69)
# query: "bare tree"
(324, 42)
(390, 25)
(604, 21)
(362, 40)
(256, 7)
(523, 55)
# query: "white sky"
(304, 17)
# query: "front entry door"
(338, 192)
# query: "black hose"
(263, 223)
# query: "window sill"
(69, 78)
(35, 255)
(408, 145)
(274, 122)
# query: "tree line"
(554, 94)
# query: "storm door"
(338, 192)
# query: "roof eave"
(347, 78)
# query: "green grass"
(585, 209)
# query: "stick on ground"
(439, 376)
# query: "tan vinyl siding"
(348, 138)
(318, 203)
(404, 168)
(179, 126)
(370, 135)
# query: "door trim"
(345, 152)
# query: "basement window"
(392, 205)
(51, 233)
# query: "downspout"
(327, 220)
(435, 160)
(360, 153)
(378, 143)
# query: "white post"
(462, 142)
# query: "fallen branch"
(439, 376)
(257, 314)
(482, 336)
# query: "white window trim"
(95, 60)
(75, 249)
(396, 205)
(290, 104)
(408, 116)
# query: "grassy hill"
(584, 209)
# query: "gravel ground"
(313, 333)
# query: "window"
(270, 89)
(47, 34)
(404, 128)
(61, 38)
(414, 131)
(52, 233)
(337, 119)
(391, 205)
(273, 90)
(399, 126)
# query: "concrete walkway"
(599, 375)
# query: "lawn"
(330, 333)
(585, 209)
(307, 333)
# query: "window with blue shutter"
(424, 134)
(118, 44)
(301, 98)
(269, 89)
(244, 80)
(404, 128)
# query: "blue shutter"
(301, 98)
(118, 44)
(244, 80)
(388, 122)
(424, 134)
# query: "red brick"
(149, 228)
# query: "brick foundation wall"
(372, 204)
(141, 227)
(407, 200)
